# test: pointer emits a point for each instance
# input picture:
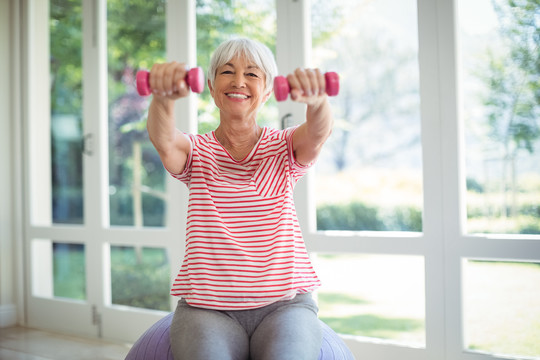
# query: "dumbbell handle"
(194, 79)
(282, 87)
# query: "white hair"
(253, 50)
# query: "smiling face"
(238, 89)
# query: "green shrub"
(121, 207)
(144, 286)
(405, 219)
(529, 225)
(530, 210)
(474, 186)
(356, 216)
(140, 280)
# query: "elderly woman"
(246, 279)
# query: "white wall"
(8, 314)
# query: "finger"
(304, 79)
(321, 81)
(157, 79)
(155, 74)
(168, 78)
(296, 88)
(313, 82)
(179, 81)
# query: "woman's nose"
(239, 80)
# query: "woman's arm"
(308, 86)
(168, 85)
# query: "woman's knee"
(291, 332)
(206, 334)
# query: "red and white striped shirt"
(244, 247)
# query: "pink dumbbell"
(194, 79)
(282, 87)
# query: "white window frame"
(443, 244)
(95, 316)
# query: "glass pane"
(383, 299)
(369, 174)
(140, 277)
(69, 271)
(136, 39)
(502, 316)
(501, 107)
(220, 20)
(58, 269)
(66, 111)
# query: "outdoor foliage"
(140, 277)
(356, 216)
(66, 110)
(509, 125)
(513, 101)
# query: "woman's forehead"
(242, 60)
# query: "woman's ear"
(210, 87)
(267, 96)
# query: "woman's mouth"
(237, 96)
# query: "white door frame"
(95, 316)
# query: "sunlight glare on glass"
(369, 173)
(501, 115)
(385, 299)
(503, 316)
(473, 24)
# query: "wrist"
(163, 104)
(318, 105)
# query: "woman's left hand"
(308, 86)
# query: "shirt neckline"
(249, 155)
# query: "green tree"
(381, 87)
(65, 24)
(513, 81)
(513, 101)
(219, 20)
(136, 39)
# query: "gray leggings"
(283, 330)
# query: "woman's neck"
(238, 138)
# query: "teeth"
(237, 96)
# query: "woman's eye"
(253, 75)
(226, 72)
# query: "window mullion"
(451, 178)
(95, 155)
(438, 112)
(38, 112)
(181, 19)
(94, 62)
(293, 48)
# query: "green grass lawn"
(382, 296)
(502, 307)
(138, 279)
(378, 296)
(69, 271)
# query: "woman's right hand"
(167, 81)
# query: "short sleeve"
(298, 170)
